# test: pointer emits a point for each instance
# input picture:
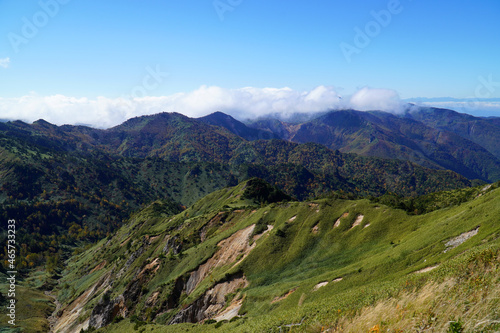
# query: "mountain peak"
(44, 123)
(236, 127)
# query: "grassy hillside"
(324, 264)
(71, 185)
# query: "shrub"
(456, 327)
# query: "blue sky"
(109, 49)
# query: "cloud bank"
(376, 99)
(244, 103)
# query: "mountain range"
(184, 185)
(434, 138)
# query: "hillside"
(483, 131)
(247, 259)
(69, 198)
(73, 184)
(70, 186)
(434, 138)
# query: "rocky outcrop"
(68, 321)
(230, 248)
(106, 310)
(174, 244)
(211, 303)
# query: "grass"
(376, 260)
(32, 307)
(466, 301)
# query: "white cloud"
(243, 103)
(104, 112)
(4, 62)
(376, 99)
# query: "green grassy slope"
(71, 185)
(365, 254)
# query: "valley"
(212, 224)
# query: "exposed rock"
(106, 310)
(358, 221)
(231, 311)
(173, 300)
(151, 301)
(337, 223)
(174, 244)
(134, 289)
(280, 298)
(98, 267)
(68, 320)
(230, 249)
(210, 303)
(427, 269)
(319, 285)
(454, 242)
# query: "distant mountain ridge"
(483, 131)
(435, 138)
(431, 137)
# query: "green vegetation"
(263, 193)
(32, 309)
(434, 138)
(327, 263)
(72, 185)
(434, 201)
(165, 219)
